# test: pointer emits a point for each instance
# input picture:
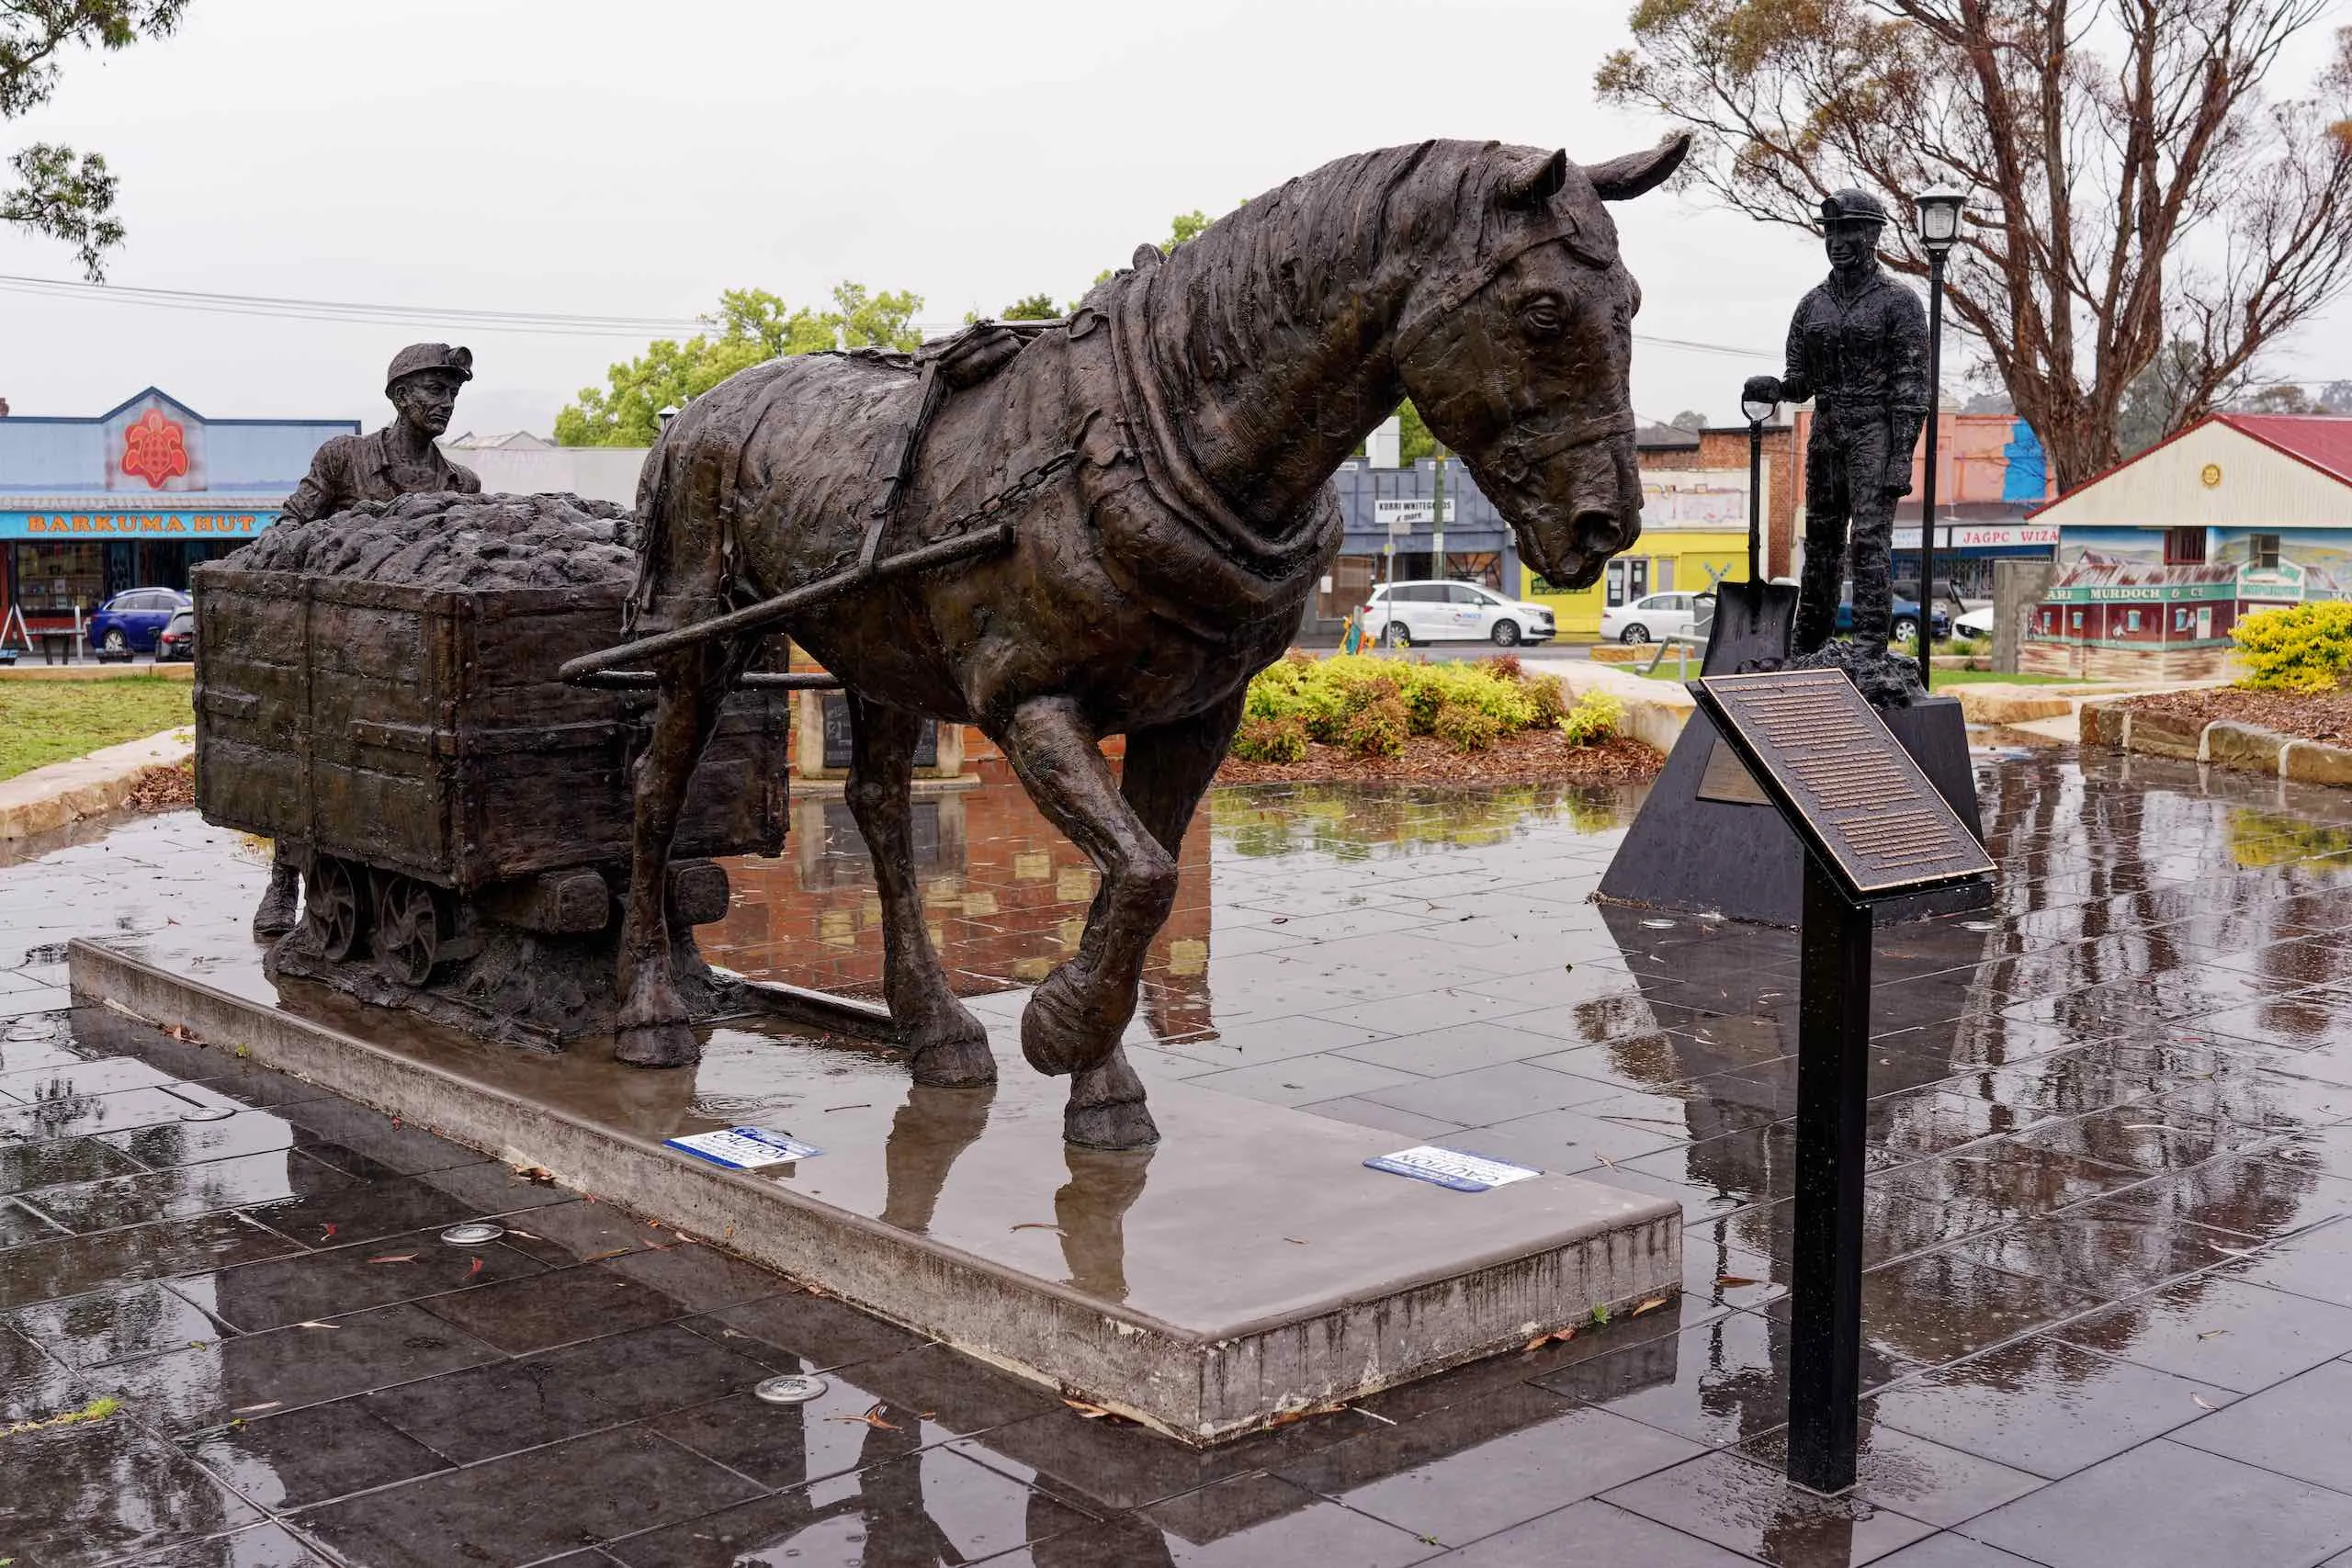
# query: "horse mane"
(1351, 235)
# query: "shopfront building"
(133, 497)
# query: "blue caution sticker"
(1451, 1169)
(744, 1148)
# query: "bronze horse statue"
(1119, 521)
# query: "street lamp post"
(1938, 216)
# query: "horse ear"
(1535, 184)
(1622, 179)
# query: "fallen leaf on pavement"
(1733, 1281)
(1650, 1306)
(395, 1257)
(1557, 1337)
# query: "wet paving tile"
(1914, 1477)
(895, 1512)
(589, 1489)
(800, 1331)
(111, 1326)
(1488, 1095)
(169, 1144)
(698, 1277)
(553, 1308)
(1592, 1534)
(73, 1265)
(2219, 1330)
(2101, 1256)
(256, 1374)
(312, 1455)
(86, 1495)
(2163, 1505)
(2300, 1427)
(497, 1408)
(246, 1181)
(261, 1546)
(1248, 1520)
(82, 1115)
(2044, 1406)
(2315, 1263)
(1754, 1510)
(59, 1162)
(1424, 1479)
(349, 1278)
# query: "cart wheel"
(334, 906)
(408, 929)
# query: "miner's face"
(1851, 245)
(426, 398)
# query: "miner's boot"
(281, 904)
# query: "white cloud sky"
(619, 159)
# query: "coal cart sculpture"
(377, 693)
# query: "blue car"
(1907, 616)
(130, 622)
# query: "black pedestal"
(1708, 842)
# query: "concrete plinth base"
(1249, 1266)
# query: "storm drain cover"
(472, 1233)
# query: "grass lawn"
(48, 721)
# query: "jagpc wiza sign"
(128, 524)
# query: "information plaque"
(1842, 780)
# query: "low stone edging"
(63, 792)
(2226, 743)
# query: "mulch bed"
(166, 786)
(2309, 716)
(1535, 756)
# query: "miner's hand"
(1898, 481)
(1761, 390)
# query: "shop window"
(2264, 549)
(2180, 620)
(1613, 581)
(1665, 573)
(2074, 621)
(2049, 622)
(1351, 580)
(2130, 620)
(51, 579)
(2183, 547)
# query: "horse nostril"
(1600, 531)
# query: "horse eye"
(1541, 317)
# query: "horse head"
(1515, 348)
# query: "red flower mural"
(154, 449)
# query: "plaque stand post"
(1873, 832)
(1833, 1098)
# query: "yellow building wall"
(1577, 612)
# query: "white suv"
(1402, 614)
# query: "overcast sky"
(627, 159)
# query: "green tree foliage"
(1415, 441)
(1030, 308)
(1690, 419)
(750, 327)
(60, 193)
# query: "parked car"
(1974, 623)
(130, 622)
(178, 640)
(1402, 614)
(1907, 615)
(1654, 617)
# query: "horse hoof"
(959, 1063)
(1110, 1125)
(1056, 1036)
(657, 1045)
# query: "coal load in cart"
(376, 690)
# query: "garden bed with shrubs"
(1359, 717)
(2296, 680)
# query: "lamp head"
(1938, 218)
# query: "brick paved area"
(2108, 1309)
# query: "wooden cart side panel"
(251, 702)
(377, 784)
(516, 650)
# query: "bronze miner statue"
(1858, 346)
(1106, 525)
(399, 459)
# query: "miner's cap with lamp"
(1859, 208)
(1939, 212)
(416, 357)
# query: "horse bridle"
(1521, 451)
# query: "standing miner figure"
(1858, 346)
(399, 459)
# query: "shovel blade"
(1754, 624)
